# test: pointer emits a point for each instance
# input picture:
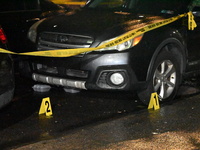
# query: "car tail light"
(3, 36)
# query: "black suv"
(155, 61)
(18, 15)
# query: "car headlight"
(123, 46)
(32, 33)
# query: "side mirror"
(196, 11)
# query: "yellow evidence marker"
(45, 107)
(154, 102)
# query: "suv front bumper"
(91, 71)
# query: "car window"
(162, 6)
(31, 4)
(107, 3)
(142, 6)
(17, 5)
(8, 5)
(194, 3)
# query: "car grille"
(60, 71)
(50, 41)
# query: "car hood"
(96, 23)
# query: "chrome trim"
(54, 40)
(59, 81)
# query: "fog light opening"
(117, 79)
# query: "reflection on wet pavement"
(171, 127)
(98, 121)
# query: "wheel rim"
(164, 79)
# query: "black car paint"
(136, 62)
(98, 28)
(104, 59)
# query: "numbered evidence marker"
(45, 107)
(154, 102)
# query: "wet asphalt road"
(95, 120)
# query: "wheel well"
(180, 51)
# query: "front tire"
(165, 75)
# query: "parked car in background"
(6, 73)
(18, 15)
(155, 61)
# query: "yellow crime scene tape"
(121, 39)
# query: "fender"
(182, 52)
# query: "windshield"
(140, 6)
(73, 4)
(110, 4)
